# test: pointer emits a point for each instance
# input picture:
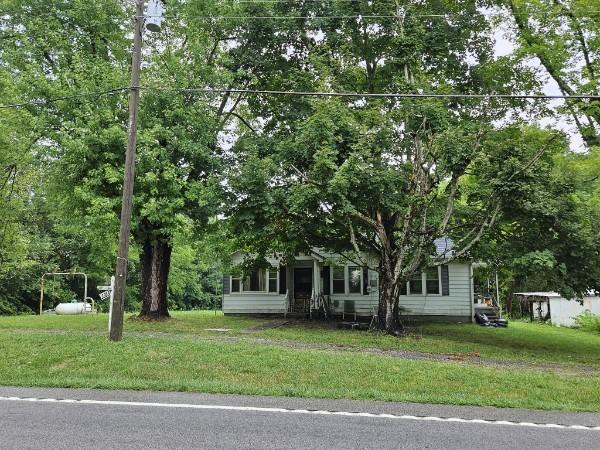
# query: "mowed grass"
(72, 351)
(157, 363)
(188, 322)
(521, 341)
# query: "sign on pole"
(110, 291)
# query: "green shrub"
(588, 321)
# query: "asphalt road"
(73, 418)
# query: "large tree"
(386, 176)
(64, 49)
(564, 37)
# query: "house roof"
(444, 248)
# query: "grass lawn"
(79, 355)
(521, 341)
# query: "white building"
(560, 311)
(441, 293)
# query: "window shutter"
(226, 284)
(326, 280)
(282, 279)
(365, 281)
(445, 280)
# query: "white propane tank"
(73, 308)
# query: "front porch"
(312, 284)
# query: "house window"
(255, 281)
(339, 280)
(415, 285)
(272, 280)
(432, 283)
(354, 279)
(235, 284)
(373, 281)
(404, 289)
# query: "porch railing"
(287, 302)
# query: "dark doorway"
(302, 287)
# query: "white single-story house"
(441, 293)
(559, 310)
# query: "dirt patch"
(275, 323)
(471, 358)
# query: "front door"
(302, 288)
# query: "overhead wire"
(45, 101)
(397, 12)
(408, 95)
(359, 16)
(318, 17)
(378, 95)
(300, 2)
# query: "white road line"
(300, 411)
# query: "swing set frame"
(85, 287)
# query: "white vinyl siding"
(254, 303)
(457, 304)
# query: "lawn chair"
(375, 319)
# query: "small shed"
(559, 310)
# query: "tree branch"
(488, 223)
(581, 38)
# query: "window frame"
(249, 277)
(266, 291)
(268, 283)
(346, 272)
(239, 280)
(409, 291)
(405, 293)
(439, 279)
(332, 279)
(424, 284)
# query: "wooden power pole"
(118, 307)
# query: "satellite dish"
(154, 15)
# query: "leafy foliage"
(588, 322)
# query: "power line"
(361, 16)
(319, 17)
(404, 13)
(45, 101)
(300, 2)
(408, 95)
(377, 95)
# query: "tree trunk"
(155, 260)
(388, 314)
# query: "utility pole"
(118, 307)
